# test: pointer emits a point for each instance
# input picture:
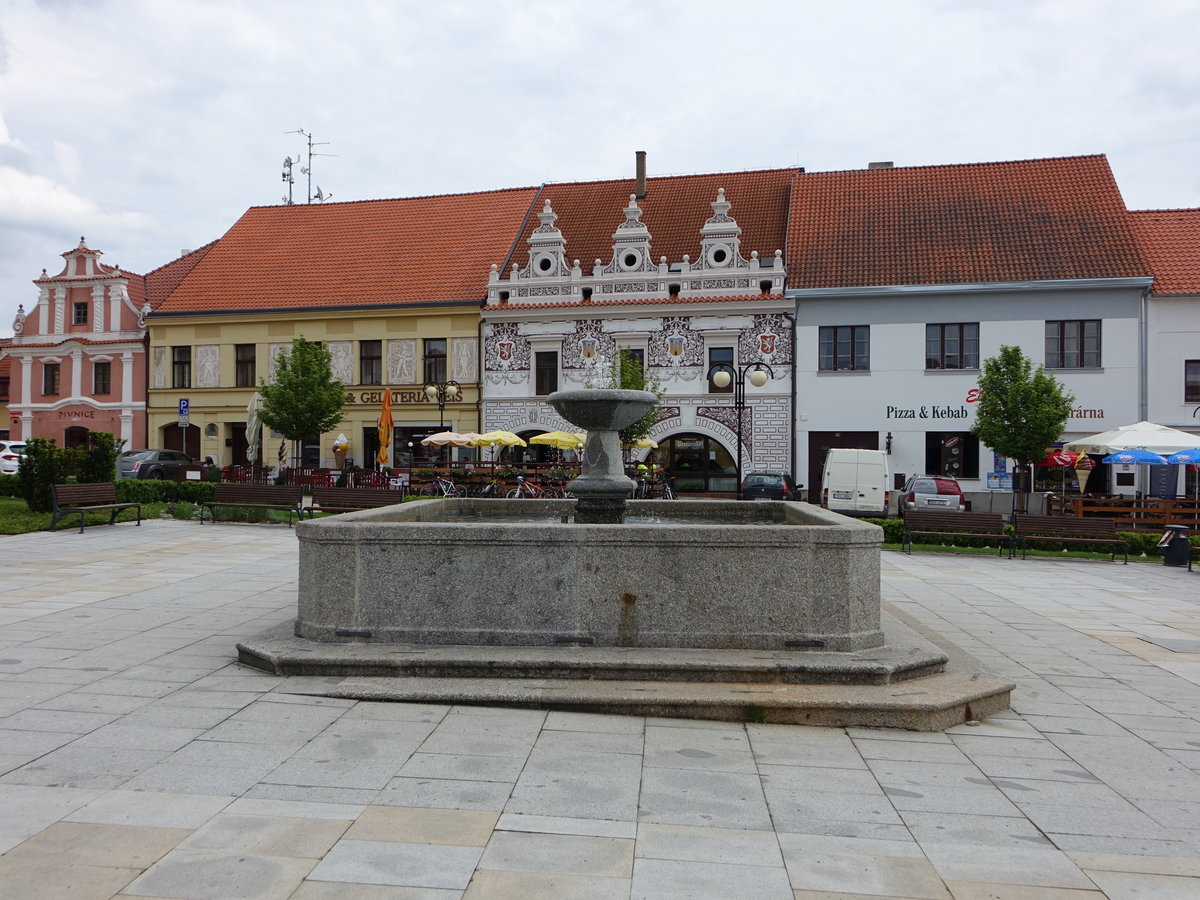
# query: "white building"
(906, 279)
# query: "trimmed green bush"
(96, 461)
(132, 490)
(893, 529)
(44, 464)
(10, 486)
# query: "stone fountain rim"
(621, 394)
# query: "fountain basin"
(709, 575)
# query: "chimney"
(880, 165)
(640, 189)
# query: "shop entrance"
(186, 439)
(697, 464)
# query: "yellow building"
(392, 288)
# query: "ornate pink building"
(79, 353)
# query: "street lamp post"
(442, 391)
(722, 375)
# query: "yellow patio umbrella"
(644, 444)
(498, 439)
(560, 440)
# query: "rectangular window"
(79, 314)
(370, 362)
(545, 373)
(1073, 344)
(844, 348)
(435, 360)
(50, 373)
(953, 346)
(1191, 381)
(245, 365)
(720, 356)
(102, 378)
(181, 367)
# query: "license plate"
(939, 502)
(842, 495)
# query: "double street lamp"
(724, 374)
(443, 391)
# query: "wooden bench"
(288, 498)
(80, 499)
(347, 499)
(1065, 530)
(918, 523)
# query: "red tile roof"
(160, 282)
(1170, 239)
(367, 253)
(674, 210)
(1030, 220)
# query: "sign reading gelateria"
(374, 398)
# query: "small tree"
(629, 373)
(1021, 410)
(305, 399)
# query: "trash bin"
(1175, 547)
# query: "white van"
(855, 482)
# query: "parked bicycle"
(650, 488)
(441, 486)
(526, 490)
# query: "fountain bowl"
(701, 574)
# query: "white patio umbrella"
(1139, 436)
(253, 429)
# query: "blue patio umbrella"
(1185, 457)
(1136, 458)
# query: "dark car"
(156, 464)
(769, 486)
(932, 492)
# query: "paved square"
(138, 759)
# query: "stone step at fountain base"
(932, 703)
(900, 685)
(905, 655)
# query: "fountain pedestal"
(602, 487)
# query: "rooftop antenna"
(288, 162)
(307, 170)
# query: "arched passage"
(75, 436)
(696, 463)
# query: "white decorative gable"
(719, 270)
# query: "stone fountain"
(608, 604)
(602, 487)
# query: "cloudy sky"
(150, 125)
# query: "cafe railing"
(1130, 514)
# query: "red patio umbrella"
(1060, 458)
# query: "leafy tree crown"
(305, 398)
(1022, 409)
